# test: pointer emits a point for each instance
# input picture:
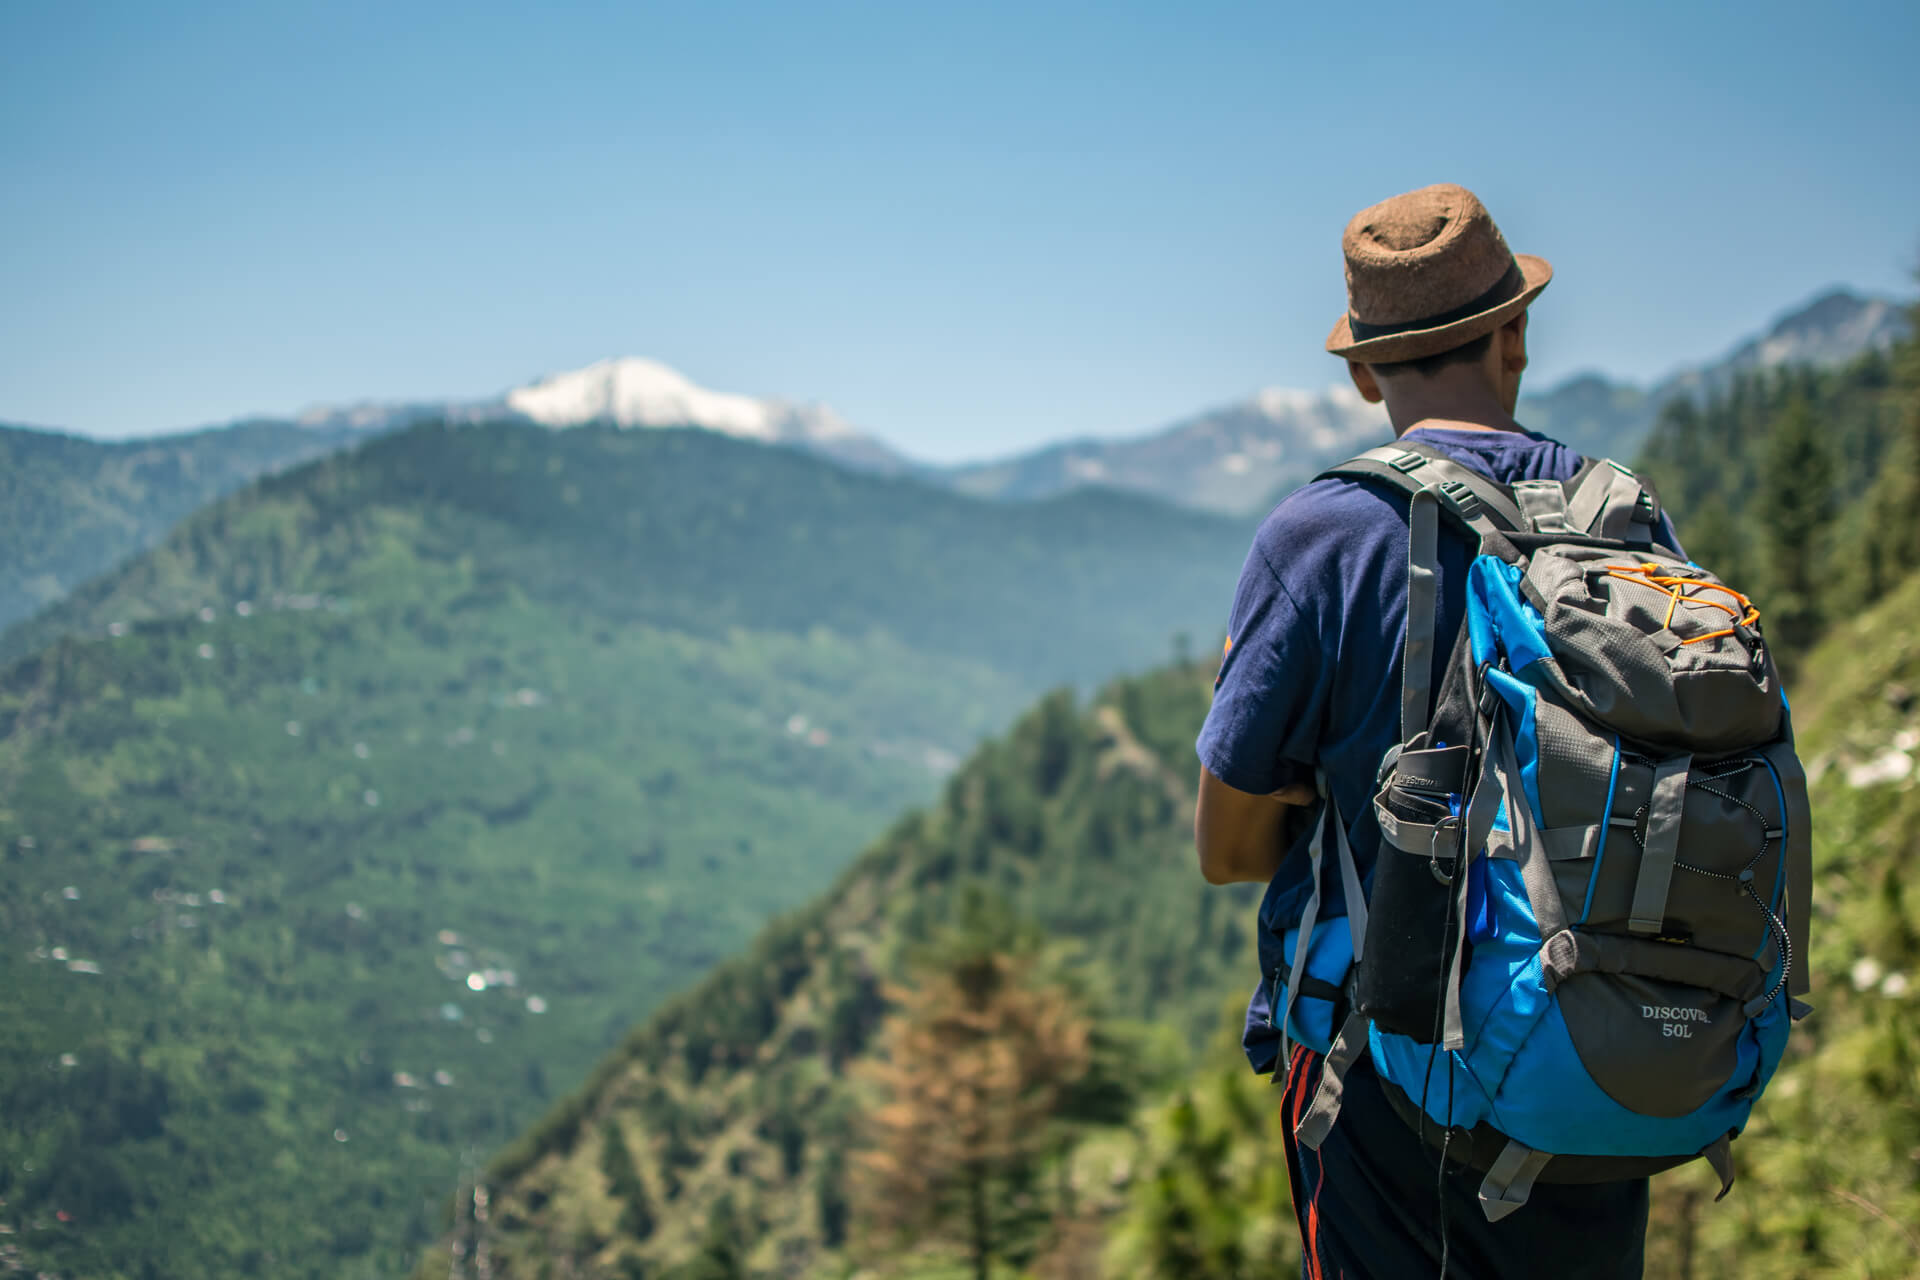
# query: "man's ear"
(1513, 344)
(1364, 382)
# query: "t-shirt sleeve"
(1261, 733)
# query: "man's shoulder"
(1331, 517)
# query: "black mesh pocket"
(1397, 983)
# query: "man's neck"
(1455, 409)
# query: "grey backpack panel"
(1658, 666)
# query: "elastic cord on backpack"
(1776, 927)
(1677, 588)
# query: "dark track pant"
(1369, 1204)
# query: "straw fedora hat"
(1426, 272)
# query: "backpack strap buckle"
(1448, 827)
(1463, 498)
(1408, 462)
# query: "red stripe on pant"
(1301, 1079)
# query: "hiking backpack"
(1586, 928)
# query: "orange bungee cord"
(1676, 589)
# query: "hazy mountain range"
(83, 505)
(1240, 457)
(632, 392)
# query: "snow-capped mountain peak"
(632, 391)
(635, 392)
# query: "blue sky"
(970, 228)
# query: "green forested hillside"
(735, 1100)
(692, 530)
(738, 1112)
(77, 507)
(733, 1116)
(1800, 484)
(347, 828)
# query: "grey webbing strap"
(1325, 1108)
(1510, 1180)
(1587, 494)
(1623, 502)
(1406, 836)
(1423, 602)
(1356, 898)
(1572, 951)
(1480, 503)
(1720, 1156)
(1569, 844)
(1544, 503)
(1352, 1038)
(1309, 917)
(1536, 869)
(1482, 808)
(1664, 810)
(1453, 1030)
(1350, 890)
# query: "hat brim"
(1417, 344)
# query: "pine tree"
(1797, 499)
(623, 1182)
(720, 1256)
(1889, 545)
(1209, 1196)
(975, 1064)
(830, 1199)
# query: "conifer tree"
(1797, 494)
(1890, 541)
(623, 1182)
(1209, 1195)
(975, 1063)
(720, 1256)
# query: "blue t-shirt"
(1311, 674)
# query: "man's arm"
(1243, 837)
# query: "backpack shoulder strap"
(1482, 505)
(1607, 500)
(1486, 509)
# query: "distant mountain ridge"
(80, 506)
(1239, 458)
(1598, 415)
(1228, 459)
(93, 503)
(75, 507)
(632, 391)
